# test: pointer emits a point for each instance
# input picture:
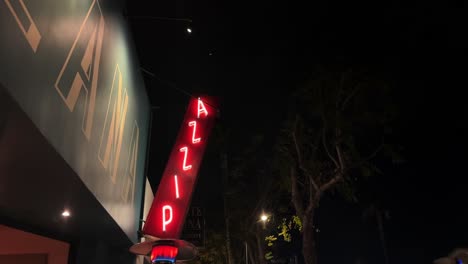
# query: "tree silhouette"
(337, 125)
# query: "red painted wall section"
(13, 241)
(171, 202)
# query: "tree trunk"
(382, 234)
(308, 239)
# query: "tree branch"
(313, 202)
(312, 194)
(331, 183)
(296, 196)
(324, 138)
(369, 157)
(299, 156)
(353, 92)
(340, 158)
(326, 149)
(341, 87)
(374, 153)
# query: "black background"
(252, 53)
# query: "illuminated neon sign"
(194, 124)
(171, 202)
(185, 167)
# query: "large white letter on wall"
(128, 192)
(114, 124)
(81, 69)
(32, 33)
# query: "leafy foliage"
(270, 239)
(284, 229)
(214, 251)
(338, 125)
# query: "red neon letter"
(201, 108)
(176, 187)
(194, 124)
(184, 166)
(168, 221)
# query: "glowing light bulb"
(66, 213)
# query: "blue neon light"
(164, 259)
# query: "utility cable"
(174, 86)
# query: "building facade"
(74, 127)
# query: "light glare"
(66, 213)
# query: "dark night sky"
(262, 49)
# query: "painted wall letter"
(128, 191)
(112, 133)
(32, 34)
(81, 68)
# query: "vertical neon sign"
(167, 213)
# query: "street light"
(264, 218)
(66, 213)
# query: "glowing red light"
(163, 252)
(170, 205)
(168, 221)
(176, 187)
(184, 165)
(194, 124)
(201, 108)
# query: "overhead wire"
(174, 86)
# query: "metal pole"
(246, 254)
(224, 165)
(161, 18)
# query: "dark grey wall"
(71, 67)
(36, 184)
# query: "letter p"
(166, 220)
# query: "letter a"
(201, 108)
(80, 72)
(32, 32)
